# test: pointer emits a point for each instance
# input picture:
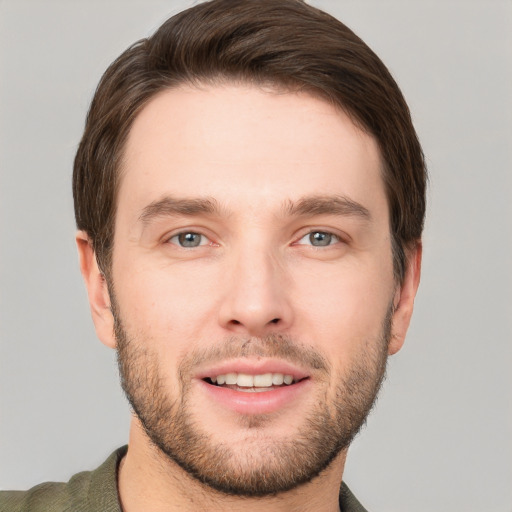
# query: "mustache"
(272, 345)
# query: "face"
(252, 283)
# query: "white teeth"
(244, 380)
(277, 379)
(288, 379)
(263, 381)
(231, 378)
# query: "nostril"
(233, 322)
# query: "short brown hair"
(285, 43)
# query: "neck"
(149, 480)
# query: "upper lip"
(252, 367)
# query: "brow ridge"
(305, 206)
(326, 205)
(170, 206)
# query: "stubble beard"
(263, 466)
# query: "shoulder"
(348, 502)
(48, 497)
(85, 491)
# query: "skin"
(255, 272)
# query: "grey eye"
(188, 239)
(320, 238)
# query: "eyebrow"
(170, 206)
(306, 206)
(327, 205)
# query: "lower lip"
(259, 402)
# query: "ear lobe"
(97, 290)
(403, 301)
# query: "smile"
(252, 383)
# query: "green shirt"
(96, 491)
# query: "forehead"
(246, 146)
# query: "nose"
(256, 295)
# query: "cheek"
(344, 306)
(163, 303)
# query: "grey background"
(441, 436)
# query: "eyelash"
(186, 233)
(331, 237)
(204, 240)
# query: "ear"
(404, 299)
(99, 298)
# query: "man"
(249, 194)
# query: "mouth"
(248, 383)
(254, 386)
